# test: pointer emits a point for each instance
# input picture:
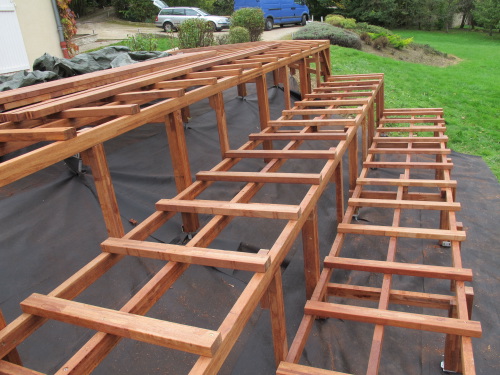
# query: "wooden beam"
(37, 135)
(103, 111)
(282, 154)
(406, 182)
(323, 111)
(413, 151)
(287, 368)
(395, 268)
(188, 254)
(425, 233)
(136, 327)
(404, 165)
(149, 95)
(263, 210)
(315, 122)
(185, 83)
(274, 177)
(13, 356)
(394, 318)
(405, 204)
(8, 368)
(317, 136)
(215, 73)
(408, 129)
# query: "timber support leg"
(95, 157)
(13, 356)
(278, 321)
(310, 243)
(217, 103)
(339, 192)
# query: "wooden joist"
(406, 182)
(394, 318)
(287, 368)
(443, 138)
(281, 178)
(409, 129)
(413, 165)
(395, 268)
(149, 95)
(8, 368)
(282, 154)
(153, 331)
(320, 112)
(405, 204)
(185, 83)
(188, 254)
(315, 122)
(37, 135)
(316, 136)
(419, 151)
(262, 210)
(103, 111)
(380, 230)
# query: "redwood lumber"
(319, 112)
(408, 129)
(334, 103)
(9, 368)
(318, 136)
(282, 178)
(314, 122)
(407, 182)
(37, 135)
(188, 254)
(185, 83)
(414, 165)
(394, 318)
(263, 210)
(425, 233)
(282, 154)
(149, 95)
(103, 111)
(406, 204)
(13, 356)
(159, 332)
(287, 368)
(395, 268)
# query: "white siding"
(13, 56)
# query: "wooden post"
(317, 62)
(217, 103)
(180, 161)
(95, 157)
(242, 90)
(13, 356)
(186, 114)
(276, 77)
(310, 244)
(285, 71)
(371, 124)
(339, 192)
(305, 79)
(364, 138)
(264, 114)
(353, 162)
(278, 321)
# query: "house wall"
(39, 28)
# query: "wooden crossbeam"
(412, 111)
(313, 103)
(149, 95)
(443, 138)
(37, 135)
(396, 268)
(316, 136)
(329, 95)
(411, 165)
(314, 122)
(215, 73)
(422, 151)
(281, 178)
(263, 210)
(406, 182)
(395, 318)
(241, 65)
(188, 254)
(345, 88)
(8, 368)
(104, 111)
(282, 154)
(404, 204)
(324, 111)
(287, 368)
(185, 83)
(408, 129)
(400, 297)
(380, 230)
(416, 120)
(351, 83)
(153, 331)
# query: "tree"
(487, 14)
(466, 7)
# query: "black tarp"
(52, 226)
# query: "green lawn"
(469, 91)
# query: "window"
(191, 12)
(178, 12)
(166, 12)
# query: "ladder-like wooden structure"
(414, 142)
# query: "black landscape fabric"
(51, 226)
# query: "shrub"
(334, 19)
(142, 42)
(195, 32)
(222, 40)
(251, 19)
(335, 35)
(135, 10)
(238, 34)
(366, 27)
(365, 37)
(397, 42)
(380, 42)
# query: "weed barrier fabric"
(52, 226)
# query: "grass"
(469, 92)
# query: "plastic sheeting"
(49, 68)
(52, 226)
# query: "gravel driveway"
(107, 32)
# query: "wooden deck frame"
(458, 327)
(266, 281)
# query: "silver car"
(170, 18)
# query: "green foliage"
(223, 7)
(468, 91)
(336, 35)
(195, 32)
(382, 40)
(250, 18)
(135, 10)
(334, 19)
(206, 5)
(142, 42)
(397, 42)
(365, 37)
(366, 27)
(487, 14)
(238, 34)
